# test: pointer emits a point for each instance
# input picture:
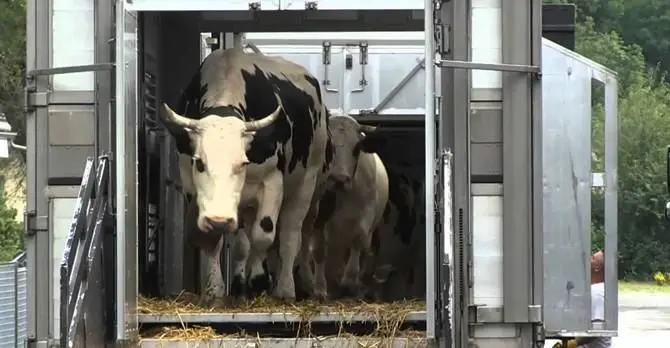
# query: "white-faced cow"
(252, 134)
(390, 277)
(356, 192)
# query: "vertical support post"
(611, 222)
(455, 135)
(38, 248)
(537, 262)
(104, 32)
(521, 115)
(430, 144)
(126, 171)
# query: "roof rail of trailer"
(80, 272)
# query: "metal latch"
(325, 54)
(311, 5)
(363, 61)
(33, 223)
(255, 5)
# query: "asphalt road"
(644, 321)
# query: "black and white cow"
(349, 211)
(398, 269)
(252, 134)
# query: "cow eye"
(199, 164)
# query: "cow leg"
(320, 281)
(262, 233)
(215, 288)
(305, 273)
(294, 211)
(240, 255)
(351, 279)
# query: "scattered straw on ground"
(264, 304)
(388, 317)
(205, 333)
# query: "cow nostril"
(222, 222)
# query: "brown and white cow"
(347, 210)
(252, 134)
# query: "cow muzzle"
(340, 181)
(221, 223)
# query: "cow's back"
(247, 83)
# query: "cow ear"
(371, 142)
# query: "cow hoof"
(320, 296)
(237, 287)
(208, 301)
(259, 285)
(284, 296)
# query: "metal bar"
(537, 188)
(120, 182)
(611, 198)
(455, 136)
(321, 342)
(585, 333)
(336, 41)
(429, 160)
(457, 64)
(201, 318)
(405, 80)
(70, 69)
(517, 164)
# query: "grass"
(643, 286)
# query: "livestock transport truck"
(493, 119)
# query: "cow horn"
(251, 126)
(171, 117)
(367, 129)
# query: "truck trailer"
(493, 119)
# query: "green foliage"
(11, 242)
(12, 63)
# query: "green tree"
(12, 63)
(11, 241)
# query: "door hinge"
(34, 99)
(34, 223)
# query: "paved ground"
(644, 320)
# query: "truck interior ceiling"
(358, 78)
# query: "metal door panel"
(199, 5)
(367, 85)
(311, 57)
(354, 4)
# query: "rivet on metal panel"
(254, 5)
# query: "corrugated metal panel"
(22, 303)
(13, 305)
(7, 305)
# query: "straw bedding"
(388, 317)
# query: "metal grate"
(13, 305)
